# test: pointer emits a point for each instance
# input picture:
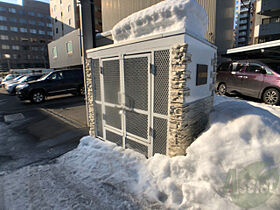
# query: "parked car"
(8, 78)
(251, 78)
(11, 87)
(54, 83)
(6, 83)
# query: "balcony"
(269, 7)
(269, 29)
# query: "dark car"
(11, 87)
(54, 83)
(251, 78)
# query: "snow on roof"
(166, 16)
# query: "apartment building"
(220, 13)
(25, 31)
(266, 22)
(65, 49)
(244, 15)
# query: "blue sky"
(20, 1)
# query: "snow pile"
(166, 16)
(240, 134)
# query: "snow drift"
(166, 16)
(240, 133)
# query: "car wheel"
(81, 90)
(271, 96)
(37, 96)
(222, 90)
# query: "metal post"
(80, 3)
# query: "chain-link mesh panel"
(98, 120)
(115, 138)
(137, 147)
(161, 89)
(111, 75)
(160, 136)
(136, 82)
(113, 117)
(137, 124)
(96, 74)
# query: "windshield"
(45, 76)
(17, 78)
(23, 79)
(274, 66)
(8, 77)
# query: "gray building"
(25, 31)
(66, 51)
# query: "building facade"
(65, 50)
(25, 31)
(267, 21)
(243, 27)
(220, 14)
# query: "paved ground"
(39, 133)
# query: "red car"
(251, 78)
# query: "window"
(54, 50)
(14, 29)
(33, 31)
(69, 47)
(34, 48)
(54, 8)
(5, 47)
(49, 25)
(22, 12)
(15, 56)
(22, 21)
(56, 76)
(23, 30)
(55, 19)
(2, 9)
(42, 32)
(40, 15)
(14, 20)
(56, 30)
(32, 22)
(31, 13)
(2, 18)
(4, 37)
(69, 21)
(50, 33)
(12, 10)
(61, 14)
(69, 8)
(15, 47)
(3, 28)
(254, 68)
(41, 23)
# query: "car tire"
(271, 96)
(222, 89)
(37, 96)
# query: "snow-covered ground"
(242, 141)
(166, 16)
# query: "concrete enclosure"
(153, 94)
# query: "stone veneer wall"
(89, 97)
(185, 122)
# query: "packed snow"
(240, 133)
(166, 16)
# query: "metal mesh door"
(111, 80)
(136, 72)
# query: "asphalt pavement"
(33, 134)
